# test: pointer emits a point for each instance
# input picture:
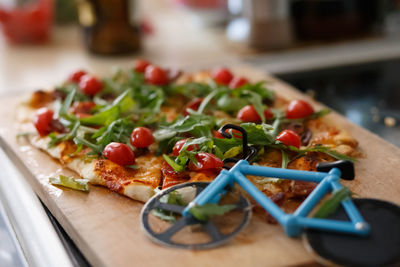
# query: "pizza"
(148, 128)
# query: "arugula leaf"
(317, 148)
(258, 134)
(174, 198)
(260, 89)
(190, 89)
(133, 166)
(106, 116)
(331, 204)
(206, 101)
(150, 99)
(206, 211)
(285, 159)
(66, 89)
(256, 100)
(164, 215)
(70, 182)
(197, 124)
(81, 141)
(330, 152)
(231, 104)
(67, 104)
(24, 134)
(173, 164)
(205, 144)
(234, 151)
(118, 131)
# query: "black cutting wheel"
(187, 232)
(380, 248)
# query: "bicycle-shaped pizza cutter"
(361, 232)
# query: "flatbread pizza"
(149, 128)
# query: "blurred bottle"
(26, 21)
(109, 26)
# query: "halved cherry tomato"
(141, 65)
(76, 76)
(119, 153)
(268, 114)
(222, 76)
(249, 113)
(155, 75)
(178, 147)
(236, 134)
(238, 82)
(141, 137)
(90, 85)
(206, 161)
(42, 121)
(194, 105)
(299, 109)
(289, 138)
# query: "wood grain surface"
(106, 226)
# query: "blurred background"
(345, 53)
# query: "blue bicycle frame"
(295, 222)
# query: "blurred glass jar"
(26, 21)
(109, 26)
(260, 24)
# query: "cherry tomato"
(141, 137)
(289, 138)
(42, 121)
(236, 134)
(119, 153)
(90, 85)
(206, 161)
(299, 109)
(76, 76)
(249, 113)
(155, 75)
(194, 105)
(268, 114)
(83, 108)
(178, 147)
(141, 65)
(238, 82)
(222, 76)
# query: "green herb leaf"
(81, 141)
(197, 124)
(317, 148)
(234, 151)
(330, 205)
(174, 198)
(206, 211)
(109, 114)
(135, 167)
(70, 182)
(206, 101)
(67, 104)
(285, 159)
(25, 134)
(164, 215)
(173, 164)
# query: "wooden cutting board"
(106, 226)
